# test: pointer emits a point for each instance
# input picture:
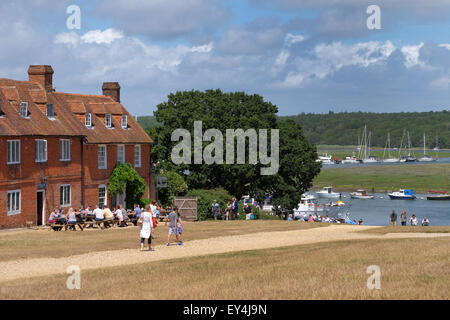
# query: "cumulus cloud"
(445, 45)
(412, 54)
(98, 36)
(326, 59)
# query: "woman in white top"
(146, 228)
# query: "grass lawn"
(46, 243)
(421, 177)
(410, 269)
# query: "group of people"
(146, 218)
(393, 218)
(230, 212)
(82, 216)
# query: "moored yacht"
(361, 194)
(327, 192)
(402, 194)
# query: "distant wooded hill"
(344, 128)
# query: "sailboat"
(425, 158)
(366, 151)
(388, 148)
(408, 157)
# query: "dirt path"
(26, 268)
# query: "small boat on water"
(327, 192)
(351, 159)
(426, 157)
(438, 195)
(326, 159)
(361, 194)
(402, 194)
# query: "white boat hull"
(327, 195)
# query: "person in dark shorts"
(393, 218)
(215, 209)
(173, 221)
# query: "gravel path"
(27, 268)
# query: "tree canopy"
(236, 110)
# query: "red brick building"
(60, 148)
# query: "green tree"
(176, 186)
(124, 177)
(236, 110)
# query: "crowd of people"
(145, 217)
(230, 211)
(393, 219)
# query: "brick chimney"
(43, 75)
(111, 89)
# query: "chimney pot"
(43, 75)
(112, 89)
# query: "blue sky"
(302, 55)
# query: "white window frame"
(121, 146)
(108, 116)
(8, 208)
(105, 201)
(23, 104)
(9, 155)
(62, 192)
(61, 151)
(123, 123)
(51, 117)
(137, 156)
(105, 159)
(88, 120)
(37, 153)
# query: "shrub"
(205, 199)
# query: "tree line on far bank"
(345, 127)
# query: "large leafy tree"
(237, 110)
(124, 177)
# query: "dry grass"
(46, 243)
(408, 229)
(411, 269)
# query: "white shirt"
(153, 208)
(147, 225)
(99, 213)
(119, 214)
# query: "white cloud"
(291, 39)
(412, 55)
(67, 38)
(329, 58)
(445, 45)
(441, 83)
(98, 36)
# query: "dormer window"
(50, 111)
(108, 120)
(23, 109)
(88, 120)
(124, 122)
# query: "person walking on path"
(173, 220)
(403, 218)
(146, 222)
(215, 209)
(393, 218)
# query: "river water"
(376, 211)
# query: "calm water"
(376, 211)
(351, 165)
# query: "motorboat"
(326, 159)
(402, 194)
(438, 195)
(308, 197)
(361, 194)
(370, 159)
(351, 159)
(327, 192)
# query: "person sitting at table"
(98, 212)
(137, 211)
(53, 216)
(62, 217)
(109, 217)
(72, 218)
